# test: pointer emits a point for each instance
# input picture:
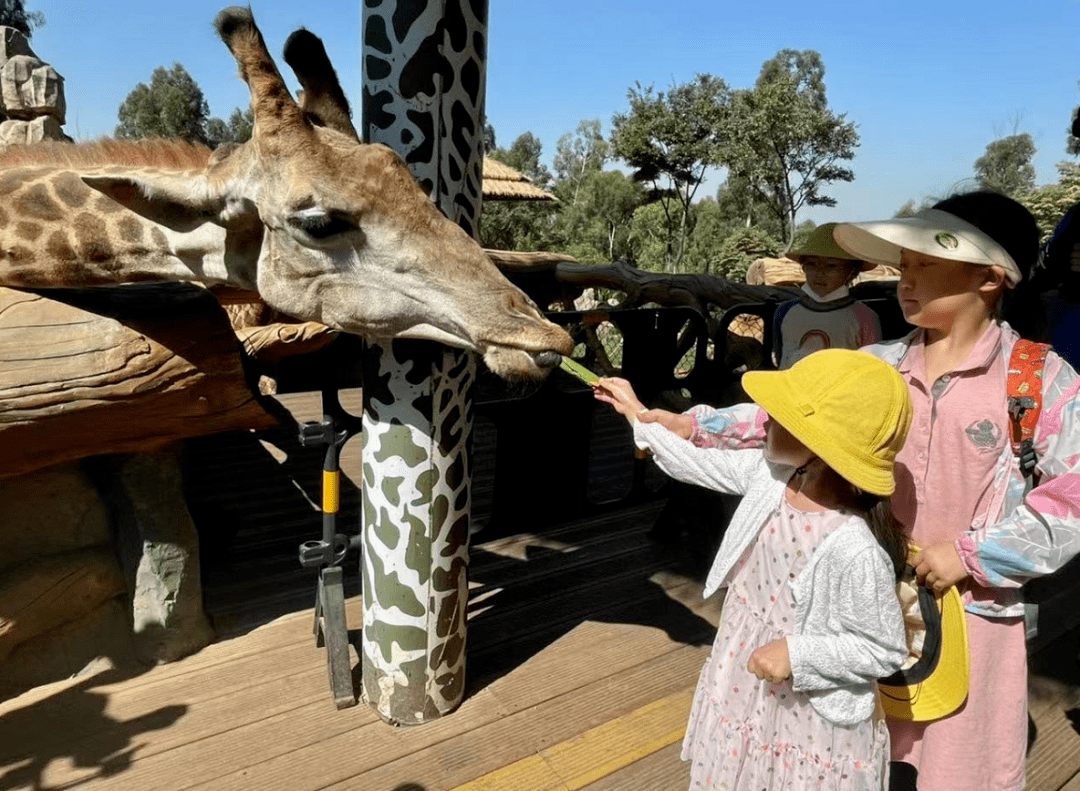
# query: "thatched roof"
(502, 182)
(785, 272)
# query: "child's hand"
(771, 662)
(618, 392)
(939, 567)
(680, 425)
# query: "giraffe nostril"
(547, 359)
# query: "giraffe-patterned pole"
(424, 79)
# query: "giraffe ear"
(181, 204)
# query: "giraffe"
(324, 227)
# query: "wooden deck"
(585, 643)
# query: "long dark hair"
(877, 512)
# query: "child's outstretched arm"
(735, 427)
(725, 471)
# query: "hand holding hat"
(939, 567)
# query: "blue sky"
(929, 84)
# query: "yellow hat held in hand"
(934, 682)
(849, 408)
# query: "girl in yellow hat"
(961, 490)
(810, 561)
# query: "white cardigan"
(848, 628)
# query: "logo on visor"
(947, 240)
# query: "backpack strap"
(1024, 387)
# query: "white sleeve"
(727, 471)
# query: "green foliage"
(518, 225)
(742, 207)
(671, 140)
(1049, 203)
(577, 156)
(13, 13)
(238, 129)
(649, 238)
(1006, 165)
(786, 143)
(524, 157)
(711, 228)
(741, 249)
(173, 105)
(596, 228)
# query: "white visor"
(930, 232)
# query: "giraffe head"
(336, 231)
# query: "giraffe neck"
(56, 232)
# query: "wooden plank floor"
(585, 642)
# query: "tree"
(524, 157)
(1049, 203)
(742, 248)
(172, 105)
(237, 130)
(671, 140)
(13, 13)
(596, 229)
(786, 143)
(1006, 165)
(514, 225)
(577, 156)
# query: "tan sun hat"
(930, 232)
(820, 242)
(934, 681)
(849, 408)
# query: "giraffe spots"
(11, 180)
(106, 205)
(130, 229)
(35, 203)
(158, 238)
(92, 238)
(59, 248)
(70, 189)
(17, 255)
(28, 231)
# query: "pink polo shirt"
(948, 479)
(947, 469)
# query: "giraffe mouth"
(548, 359)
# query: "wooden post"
(424, 80)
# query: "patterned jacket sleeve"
(735, 428)
(727, 471)
(1040, 532)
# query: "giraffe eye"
(319, 224)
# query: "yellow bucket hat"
(934, 681)
(849, 408)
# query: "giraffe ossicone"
(324, 227)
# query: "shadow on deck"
(586, 636)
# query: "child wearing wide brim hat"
(810, 560)
(825, 316)
(963, 496)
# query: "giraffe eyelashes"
(319, 224)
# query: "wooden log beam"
(692, 290)
(116, 370)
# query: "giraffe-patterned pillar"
(424, 78)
